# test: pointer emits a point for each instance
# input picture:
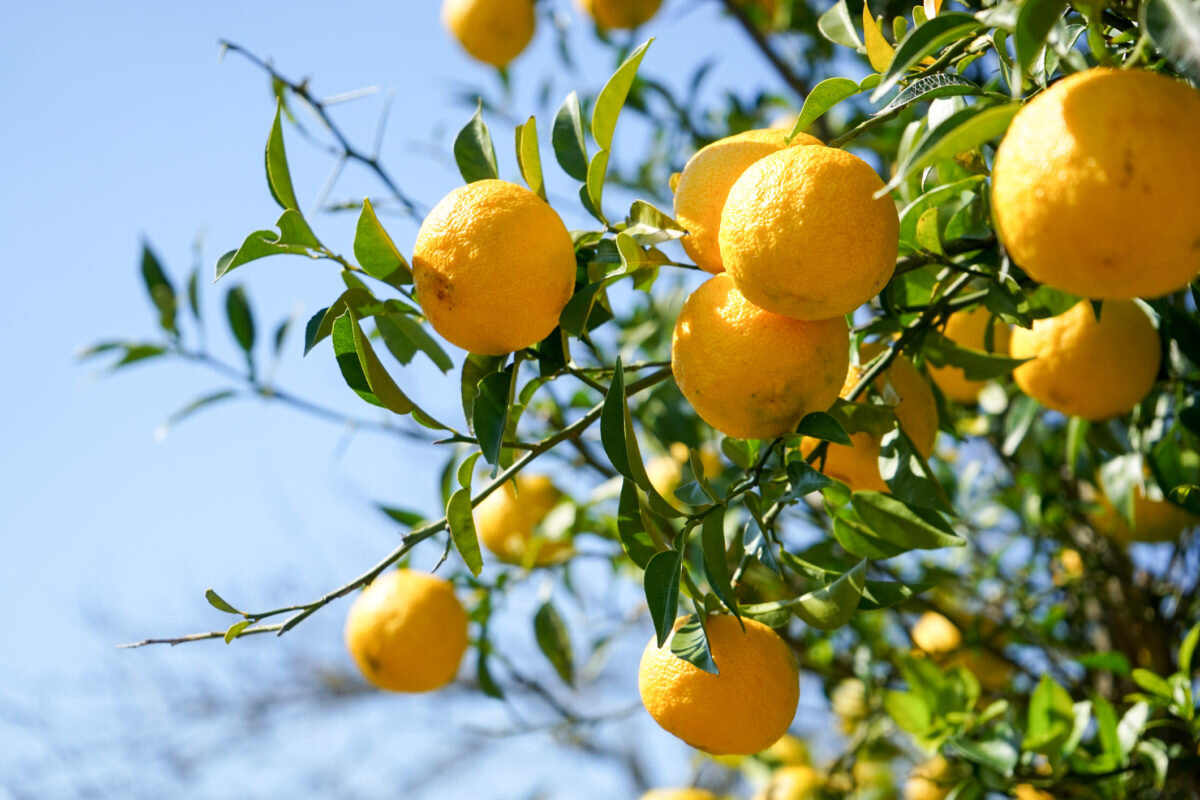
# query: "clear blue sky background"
(119, 123)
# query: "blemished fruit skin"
(407, 631)
(803, 235)
(749, 373)
(505, 521)
(1084, 368)
(492, 31)
(705, 183)
(857, 465)
(1096, 185)
(679, 794)
(1155, 519)
(968, 329)
(620, 14)
(493, 267)
(743, 710)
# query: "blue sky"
(120, 123)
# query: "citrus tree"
(890, 379)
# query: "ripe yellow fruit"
(803, 235)
(968, 329)
(849, 702)
(789, 751)
(794, 783)
(741, 711)
(493, 267)
(749, 373)
(620, 14)
(665, 472)
(1155, 519)
(407, 631)
(492, 31)
(1026, 791)
(705, 183)
(506, 519)
(1084, 368)
(936, 635)
(932, 780)
(941, 640)
(1071, 563)
(679, 794)
(1096, 186)
(857, 465)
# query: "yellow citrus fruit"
(969, 329)
(665, 472)
(679, 794)
(749, 373)
(931, 780)
(507, 518)
(1084, 368)
(941, 639)
(849, 701)
(493, 267)
(706, 180)
(1025, 791)
(857, 464)
(741, 711)
(868, 773)
(1071, 563)
(794, 783)
(1155, 518)
(803, 235)
(492, 31)
(622, 14)
(936, 635)
(407, 631)
(1096, 185)
(789, 751)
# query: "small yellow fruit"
(620, 14)
(407, 631)
(749, 373)
(1084, 368)
(849, 700)
(679, 794)
(493, 267)
(1025, 791)
(932, 780)
(794, 783)
(1071, 563)
(1155, 518)
(803, 235)
(939, 638)
(789, 751)
(857, 465)
(706, 180)
(936, 635)
(492, 31)
(506, 519)
(1096, 186)
(868, 773)
(741, 711)
(968, 329)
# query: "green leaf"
(216, 601)
(934, 198)
(879, 595)
(996, 754)
(193, 294)
(1186, 496)
(631, 527)
(473, 150)
(474, 369)
(662, 578)
(716, 564)
(294, 238)
(908, 474)
(804, 479)
(529, 160)
(376, 252)
(1130, 727)
(397, 328)
(611, 99)
(837, 26)
(1156, 753)
(1120, 477)
(1174, 26)
(824, 96)
(774, 614)
(236, 629)
(648, 226)
(820, 425)
(241, 319)
(278, 178)
(570, 150)
(1187, 649)
(490, 413)
(487, 683)
(554, 641)
(931, 87)
(596, 171)
(832, 606)
(1152, 683)
(961, 131)
(942, 30)
(162, 294)
(909, 710)
(190, 409)
(462, 529)
(362, 369)
(690, 643)
(1021, 414)
(1035, 20)
(977, 365)
(409, 519)
(903, 525)
(1051, 718)
(320, 325)
(1110, 660)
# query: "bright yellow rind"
(969, 329)
(492, 31)
(620, 14)
(507, 519)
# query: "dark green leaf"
(922, 41)
(961, 131)
(462, 529)
(487, 683)
(824, 96)
(474, 369)
(278, 178)
(473, 150)
(567, 138)
(631, 527)
(362, 369)
(1017, 422)
(820, 425)
(716, 564)
(294, 238)
(903, 525)
(885, 594)
(241, 319)
(804, 479)
(1035, 20)
(411, 329)
(162, 294)
(554, 641)
(977, 365)
(1174, 25)
(931, 87)
(662, 578)
(1110, 660)
(410, 519)
(1186, 496)
(611, 99)
(490, 413)
(376, 252)
(690, 643)
(832, 606)
(908, 474)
